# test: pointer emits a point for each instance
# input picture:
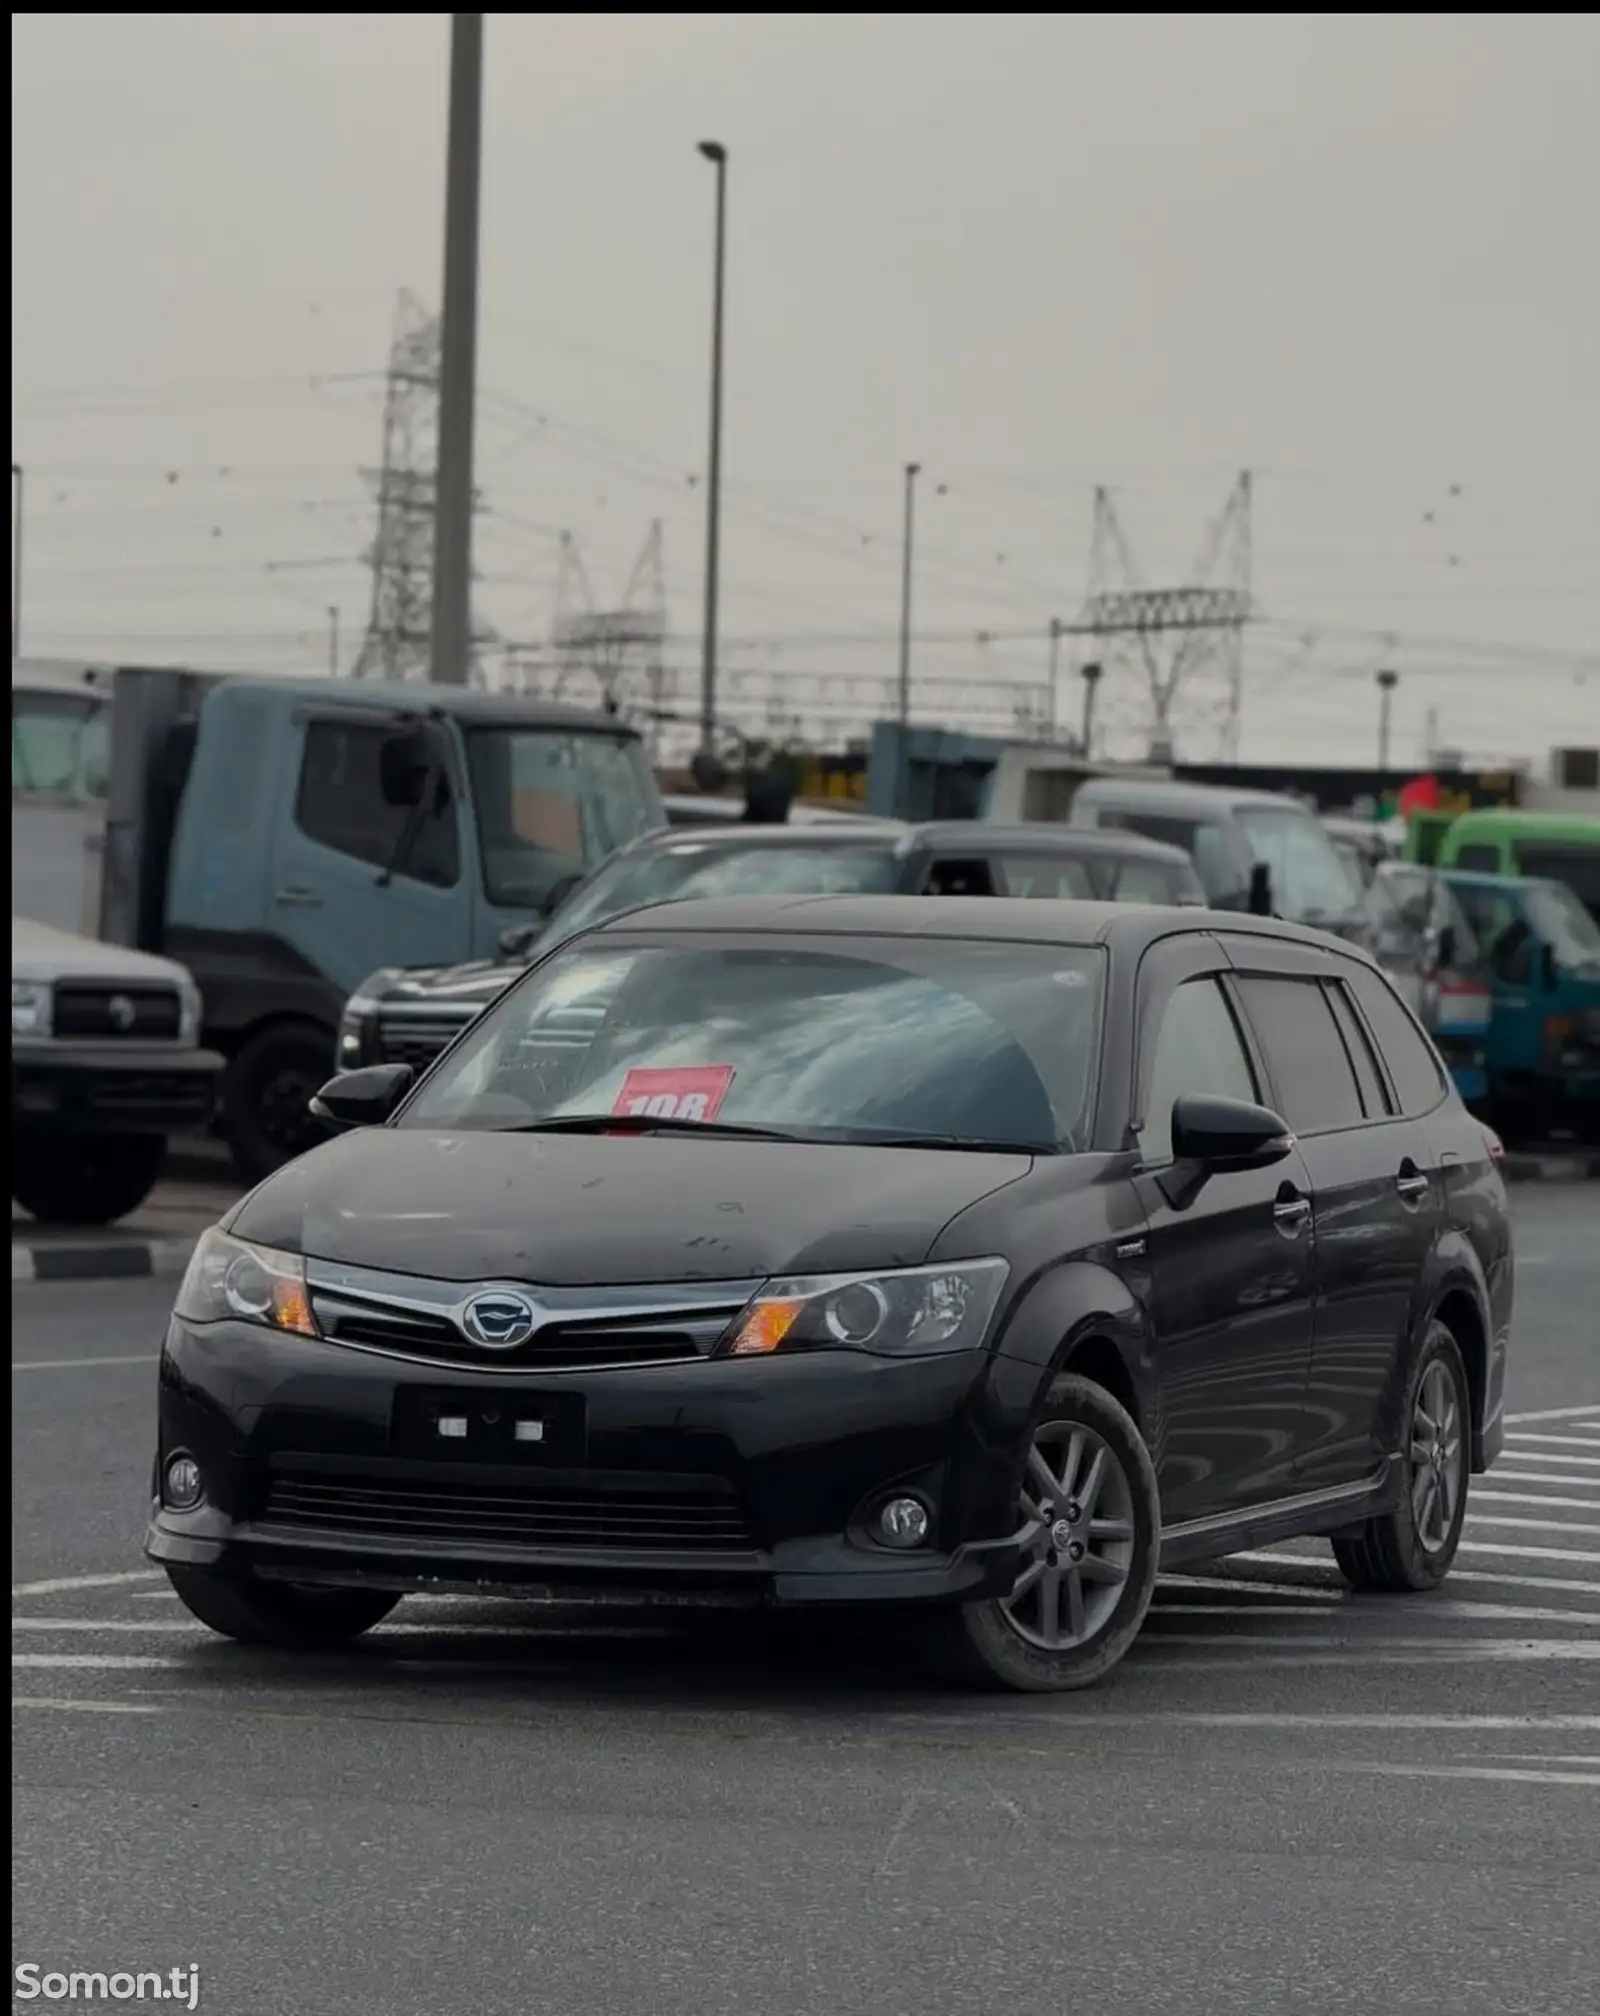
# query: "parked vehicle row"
(969, 1259)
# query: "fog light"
(903, 1522)
(184, 1489)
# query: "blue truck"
(281, 838)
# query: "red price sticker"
(693, 1092)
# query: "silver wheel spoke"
(1089, 1491)
(1093, 1569)
(1419, 1494)
(1073, 1566)
(1069, 1467)
(1110, 1529)
(1048, 1481)
(1050, 1607)
(1076, 1619)
(1423, 1419)
(1034, 1571)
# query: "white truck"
(60, 770)
(105, 1064)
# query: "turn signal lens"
(231, 1279)
(764, 1328)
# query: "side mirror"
(363, 1098)
(1261, 890)
(404, 761)
(559, 891)
(1444, 947)
(1548, 969)
(516, 940)
(1224, 1136)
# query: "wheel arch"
(1083, 1318)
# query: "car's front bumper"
(749, 1479)
(102, 1088)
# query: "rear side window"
(1306, 1056)
(1147, 882)
(959, 877)
(1362, 1060)
(1047, 875)
(1419, 1083)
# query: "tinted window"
(1478, 860)
(986, 1043)
(1198, 1049)
(1309, 882)
(1418, 1082)
(341, 803)
(1049, 875)
(966, 877)
(1311, 1073)
(1368, 1078)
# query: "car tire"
(1065, 1626)
(286, 1614)
(84, 1179)
(1413, 1547)
(266, 1097)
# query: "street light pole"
(333, 640)
(913, 470)
(1091, 680)
(1055, 673)
(717, 155)
(451, 642)
(16, 564)
(1387, 682)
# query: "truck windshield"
(60, 746)
(550, 803)
(1308, 882)
(1563, 923)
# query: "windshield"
(1571, 862)
(1563, 923)
(915, 1040)
(704, 869)
(60, 746)
(550, 804)
(1309, 884)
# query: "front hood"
(474, 984)
(575, 1210)
(40, 952)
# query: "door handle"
(1411, 1183)
(299, 899)
(1292, 1212)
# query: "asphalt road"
(1288, 1800)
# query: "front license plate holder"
(445, 1424)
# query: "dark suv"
(973, 1258)
(408, 1016)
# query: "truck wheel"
(84, 1180)
(266, 1118)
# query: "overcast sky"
(1353, 254)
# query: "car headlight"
(229, 1280)
(189, 1014)
(30, 1008)
(900, 1313)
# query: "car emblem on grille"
(499, 1320)
(122, 1012)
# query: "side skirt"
(1311, 1513)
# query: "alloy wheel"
(1076, 1539)
(1437, 1457)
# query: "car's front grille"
(701, 1515)
(116, 1013)
(414, 1039)
(573, 1329)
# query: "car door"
(333, 900)
(1229, 1273)
(1374, 1206)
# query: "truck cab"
(282, 838)
(1542, 949)
(1554, 846)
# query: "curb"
(112, 1260)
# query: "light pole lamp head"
(1388, 680)
(913, 470)
(714, 150)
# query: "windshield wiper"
(649, 1123)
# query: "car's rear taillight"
(1496, 1147)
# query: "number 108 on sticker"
(686, 1093)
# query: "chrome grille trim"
(427, 1316)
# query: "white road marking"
(1482, 1496)
(1266, 1718)
(1589, 1411)
(84, 1707)
(1244, 1584)
(1270, 1557)
(92, 1661)
(1584, 1649)
(1529, 1553)
(1477, 1519)
(1493, 1772)
(1554, 1477)
(1515, 1455)
(63, 1583)
(1558, 1441)
(80, 1364)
